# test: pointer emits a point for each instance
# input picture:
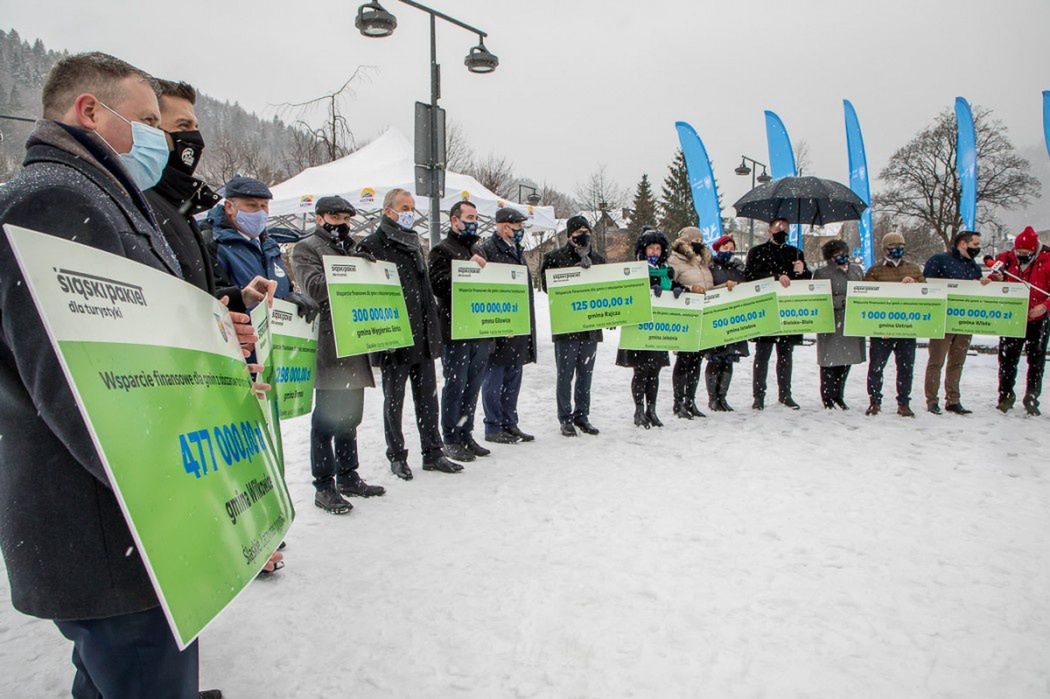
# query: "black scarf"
(190, 195)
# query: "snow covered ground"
(776, 554)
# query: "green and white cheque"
(995, 308)
(895, 309)
(748, 311)
(489, 301)
(368, 306)
(601, 296)
(294, 359)
(158, 375)
(675, 325)
(806, 307)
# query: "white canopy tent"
(365, 176)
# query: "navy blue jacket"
(241, 260)
(951, 265)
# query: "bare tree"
(599, 188)
(564, 206)
(495, 173)
(802, 157)
(459, 157)
(334, 136)
(923, 187)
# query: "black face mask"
(337, 230)
(973, 252)
(582, 240)
(698, 248)
(780, 237)
(1024, 259)
(188, 146)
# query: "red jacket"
(1037, 273)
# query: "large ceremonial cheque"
(895, 309)
(806, 307)
(601, 296)
(675, 325)
(294, 359)
(489, 301)
(750, 310)
(156, 370)
(995, 308)
(368, 306)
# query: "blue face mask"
(406, 219)
(896, 253)
(653, 260)
(724, 257)
(470, 229)
(842, 259)
(148, 155)
(517, 234)
(252, 224)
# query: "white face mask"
(406, 219)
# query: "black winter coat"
(68, 551)
(419, 300)
(521, 349)
(439, 265)
(560, 258)
(772, 260)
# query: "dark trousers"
(130, 656)
(903, 351)
(763, 350)
(1034, 345)
(645, 385)
(424, 396)
(463, 365)
(685, 376)
(499, 397)
(833, 383)
(333, 433)
(574, 358)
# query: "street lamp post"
(744, 170)
(374, 21)
(534, 198)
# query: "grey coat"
(69, 552)
(332, 372)
(835, 349)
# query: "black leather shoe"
(459, 452)
(841, 404)
(329, 500)
(694, 409)
(210, 694)
(957, 409)
(502, 438)
(681, 411)
(790, 402)
(933, 408)
(476, 449)
(399, 467)
(1031, 405)
(567, 430)
(585, 426)
(759, 404)
(441, 464)
(523, 436)
(353, 486)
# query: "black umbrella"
(809, 201)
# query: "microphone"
(1000, 267)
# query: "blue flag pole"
(858, 179)
(782, 160)
(701, 181)
(1046, 119)
(966, 163)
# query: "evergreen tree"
(676, 198)
(644, 207)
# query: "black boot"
(840, 388)
(694, 409)
(352, 484)
(329, 500)
(1031, 404)
(681, 410)
(640, 418)
(442, 464)
(652, 389)
(725, 376)
(689, 399)
(650, 413)
(711, 376)
(1006, 401)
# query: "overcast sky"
(583, 83)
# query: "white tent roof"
(365, 176)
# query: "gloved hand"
(657, 291)
(366, 256)
(677, 291)
(308, 308)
